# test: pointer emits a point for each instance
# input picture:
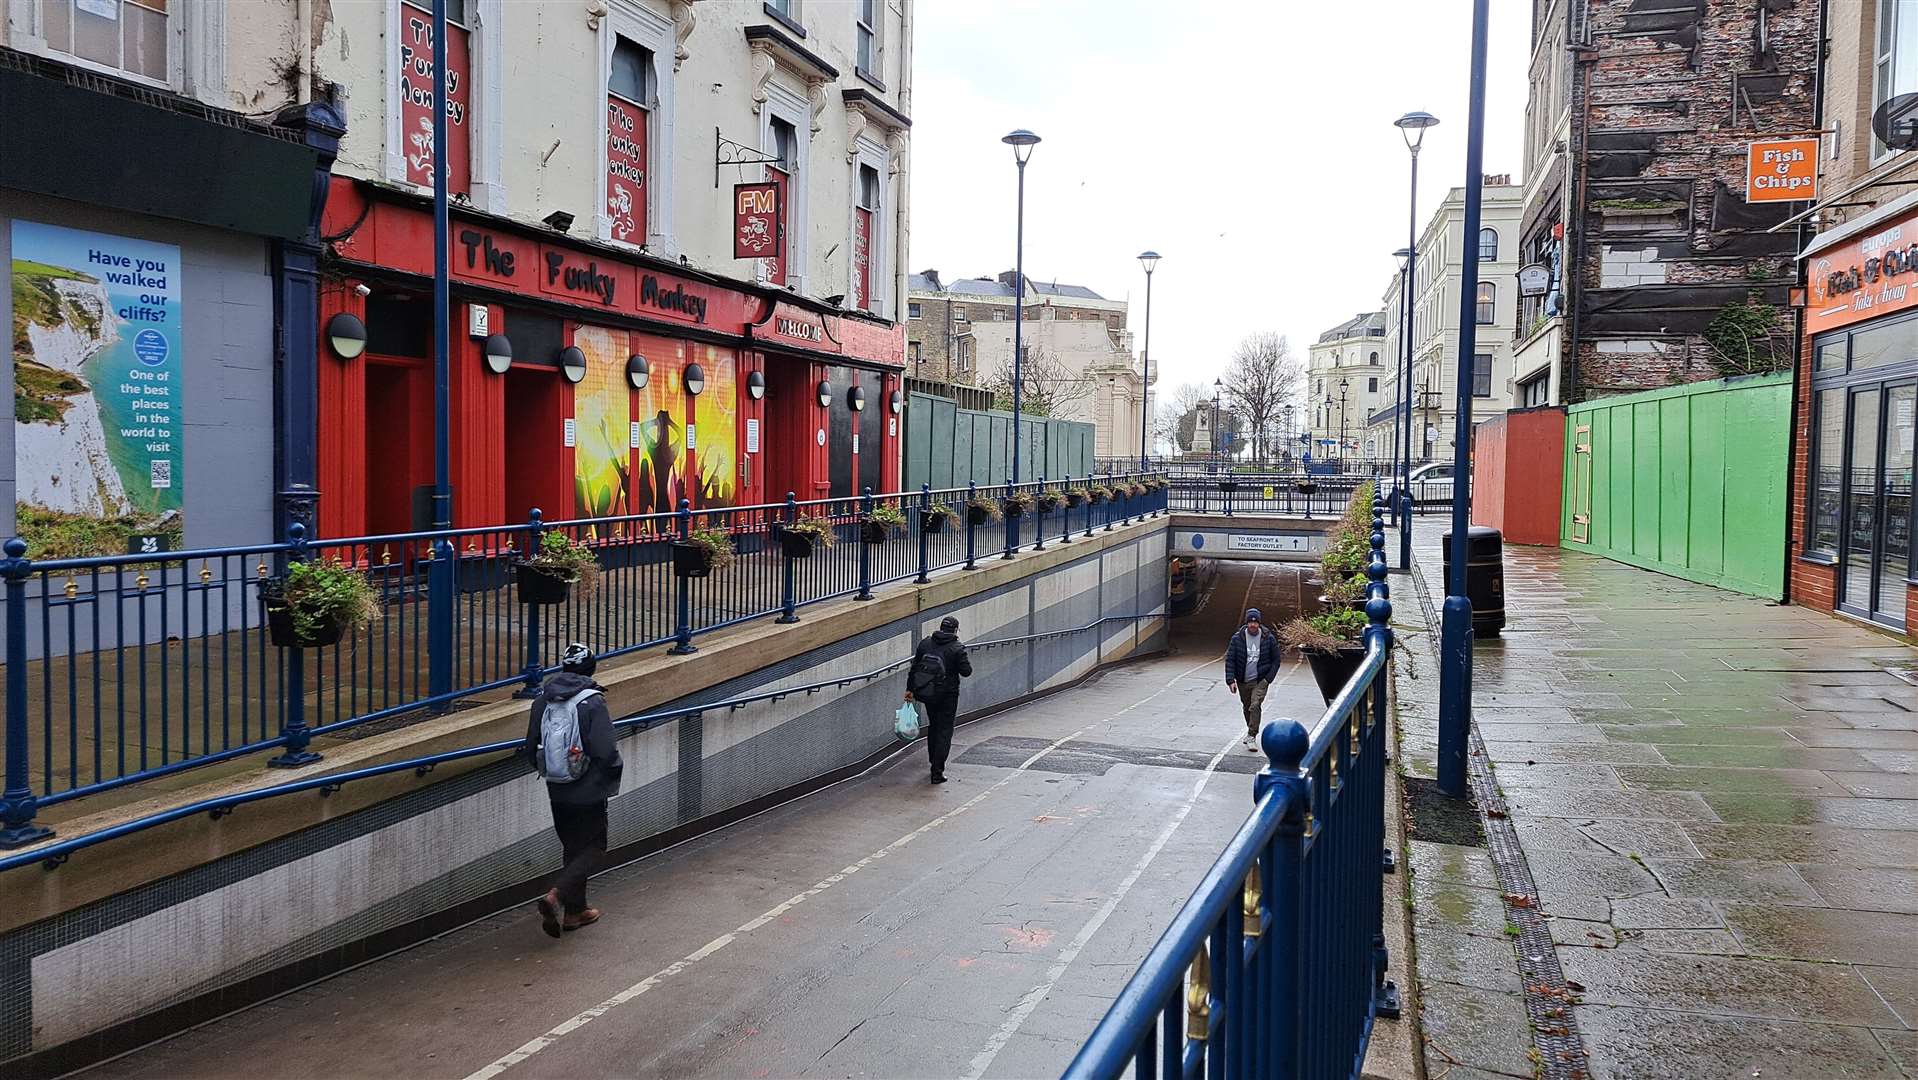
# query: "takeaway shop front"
(585, 380)
(1853, 458)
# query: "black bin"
(1484, 577)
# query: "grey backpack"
(562, 759)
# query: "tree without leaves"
(1177, 419)
(1047, 386)
(1263, 376)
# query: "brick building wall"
(1665, 99)
(1813, 584)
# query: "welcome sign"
(98, 383)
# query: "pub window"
(866, 239)
(1482, 375)
(866, 19)
(128, 36)
(536, 338)
(1828, 474)
(632, 74)
(1487, 302)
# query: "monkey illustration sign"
(755, 220)
(417, 95)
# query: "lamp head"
(1412, 127)
(1148, 259)
(1022, 142)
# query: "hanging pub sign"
(417, 97)
(755, 220)
(1534, 279)
(1781, 170)
(625, 170)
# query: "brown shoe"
(549, 913)
(584, 918)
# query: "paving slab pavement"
(1716, 799)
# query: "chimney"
(933, 276)
(1010, 278)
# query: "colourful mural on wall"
(660, 464)
(715, 445)
(602, 411)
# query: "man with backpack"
(937, 666)
(570, 737)
(1251, 663)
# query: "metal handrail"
(54, 855)
(1275, 966)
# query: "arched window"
(1487, 246)
(1375, 356)
(1487, 303)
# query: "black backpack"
(928, 671)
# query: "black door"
(839, 433)
(872, 431)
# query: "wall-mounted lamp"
(637, 371)
(856, 397)
(755, 385)
(347, 335)
(695, 379)
(499, 354)
(898, 402)
(825, 394)
(572, 363)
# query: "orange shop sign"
(1865, 276)
(1781, 170)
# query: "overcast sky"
(1249, 143)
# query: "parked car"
(1431, 485)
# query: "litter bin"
(1484, 577)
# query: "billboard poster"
(661, 415)
(716, 417)
(98, 384)
(602, 407)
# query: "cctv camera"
(361, 289)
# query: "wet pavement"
(1716, 801)
(881, 927)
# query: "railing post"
(1285, 744)
(1039, 522)
(535, 670)
(865, 549)
(1110, 501)
(1065, 510)
(17, 806)
(1378, 613)
(441, 608)
(925, 504)
(294, 732)
(1012, 523)
(1091, 479)
(972, 495)
(682, 599)
(788, 602)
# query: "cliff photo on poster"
(97, 386)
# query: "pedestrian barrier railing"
(1296, 495)
(1276, 966)
(121, 669)
(55, 854)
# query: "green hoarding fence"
(947, 446)
(1688, 481)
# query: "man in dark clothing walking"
(570, 738)
(1251, 663)
(937, 666)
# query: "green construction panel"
(945, 415)
(1644, 480)
(1706, 472)
(1618, 493)
(999, 447)
(962, 447)
(1672, 486)
(1085, 449)
(918, 439)
(1755, 490)
(1055, 450)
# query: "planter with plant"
(1017, 504)
(1346, 553)
(1343, 592)
(560, 568)
(1049, 500)
(314, 604)
(983, 510)
(702, 552)
(880, 525)
(1099, 493)
(934, 519)
(805, 535)
(1332, 643)
(1075, 497)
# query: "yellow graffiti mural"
(602, 411)
(715, 428)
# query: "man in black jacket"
(579, 805)
(1251, 663)
(942, 698)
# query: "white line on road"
(587, 1016)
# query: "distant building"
(959, 337)
(1345, 381)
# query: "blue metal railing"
(56, 854)
(1276, 965)
(121, 669)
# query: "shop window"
(1881, 346)
(865, 238)
(630, 95)
(1482, 375)
(126, 36)
(1828, 474)
(1488, 245)
(1894, 59)
(1487, 303)
(1829, 356)
(866, 23)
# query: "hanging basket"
(795, 545)
(1074, 498)
(280, 628)
(932, 524)
(692, 560)
(873, 532)
(978, 515)
(538, 587)
(1013, 511)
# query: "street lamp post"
(1218, 437)
(1022, 142)
(1455, 620)
(1325, 423)
(1149, 260)
(1412, 127)
(1344, 385)
(1285, 428)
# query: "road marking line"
(586, 1016)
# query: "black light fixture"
(825, 394)
(898, 402)
(856, 397)
(347, 335)
(558, 221)
(755, 385)
(837, 299)
(695, 379)
(637, 371)
(499, 354)
(572, 363)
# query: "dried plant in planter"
(1326, 632)
(718, 544)
(1018, 504)
(984, 510)
(815, 530)
(572, 563)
